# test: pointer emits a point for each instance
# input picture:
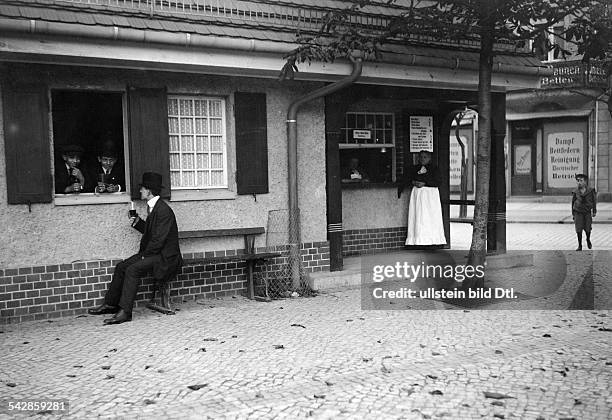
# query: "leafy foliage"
(594, 31)
(425, 21)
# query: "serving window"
(367, 147)
(86, 126)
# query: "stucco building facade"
(191, 91)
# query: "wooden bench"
(250, 257)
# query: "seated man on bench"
(159, 252)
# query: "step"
(324, 280)
(351, 276)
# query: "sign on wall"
(575, 73)
(565, 152)
(522, 159)
(421, 134)
(362, 134)
(466, 136)
(455, 159)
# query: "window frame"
(346, 129)
(91, 198)
(213, 192)
(390, 147)
(554, 39)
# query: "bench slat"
(221, 232)
(230, 258)
(212, 260)
(260, 256)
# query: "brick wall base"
(369, 241)
(53, 291)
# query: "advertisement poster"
(455, 161)
(421, 134)
(522, 160)
(565, 158)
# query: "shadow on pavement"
(435, 280)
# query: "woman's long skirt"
(425, 225)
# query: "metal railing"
(275, 13)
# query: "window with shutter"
(27, 147)
(251, 143)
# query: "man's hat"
(72, 149)
(108, 150)
(152, 181)
(582, 176)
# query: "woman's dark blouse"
(431, 178)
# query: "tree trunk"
(478, 248)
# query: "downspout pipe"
(294, 217)
(596, 141)
(596, 146)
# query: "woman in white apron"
(425, 225)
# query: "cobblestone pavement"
(534, 237)
(537, 236)
(325, 357)
(320, 357)
(543, 212)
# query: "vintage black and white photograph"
(287, 209)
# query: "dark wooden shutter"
(149, 142)
(27, 147)
(251, 143)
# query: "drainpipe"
(596, 141)
(294, 217)
(596, 146)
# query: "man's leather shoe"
(103, 309)
(121, 316)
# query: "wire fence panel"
(275, 279)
